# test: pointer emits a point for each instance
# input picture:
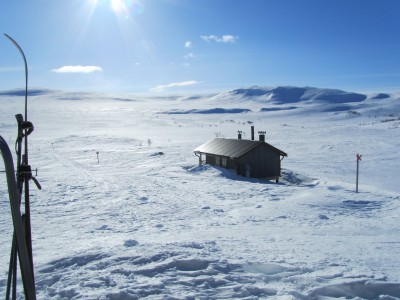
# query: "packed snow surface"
(126, 212)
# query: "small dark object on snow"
(157, 154)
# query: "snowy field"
(146, 222)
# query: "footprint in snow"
(323, 217)
(104, 227)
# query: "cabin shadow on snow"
(288, 177)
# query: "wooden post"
(98, 161)
(358, 156)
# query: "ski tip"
(9, 37)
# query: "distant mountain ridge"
(273, 95)
(21, 92)
(292, 94)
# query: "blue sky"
(194, 46)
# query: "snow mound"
(269, 109)
(160, 274)
(362, 289)
(157, 274)
(379, 96)
(293, 178)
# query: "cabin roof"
(233, 148)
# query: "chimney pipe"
(239, 134)
(252, 133)
(261, 136)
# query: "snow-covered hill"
(285, 98)
(146, 222)
(21, 92)
(291, 94)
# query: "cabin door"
(248, 170)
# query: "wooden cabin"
(250, 158)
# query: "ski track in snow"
(145, 222)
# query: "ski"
(26, 72)
(22, 238)
(19, 232)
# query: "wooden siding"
(263, 161)
(213, 160)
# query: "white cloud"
(220, 39)
(78, 69)
(163, 87)
(5, 70)
(188, 44)
(189, 55)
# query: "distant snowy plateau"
(126, 212)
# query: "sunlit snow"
(144, 221)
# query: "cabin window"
(217, 160)
(224, 162)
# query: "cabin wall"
(216, 160)
(210, 159)
(264, 162)
(261, 162)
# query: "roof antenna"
(22, 239)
